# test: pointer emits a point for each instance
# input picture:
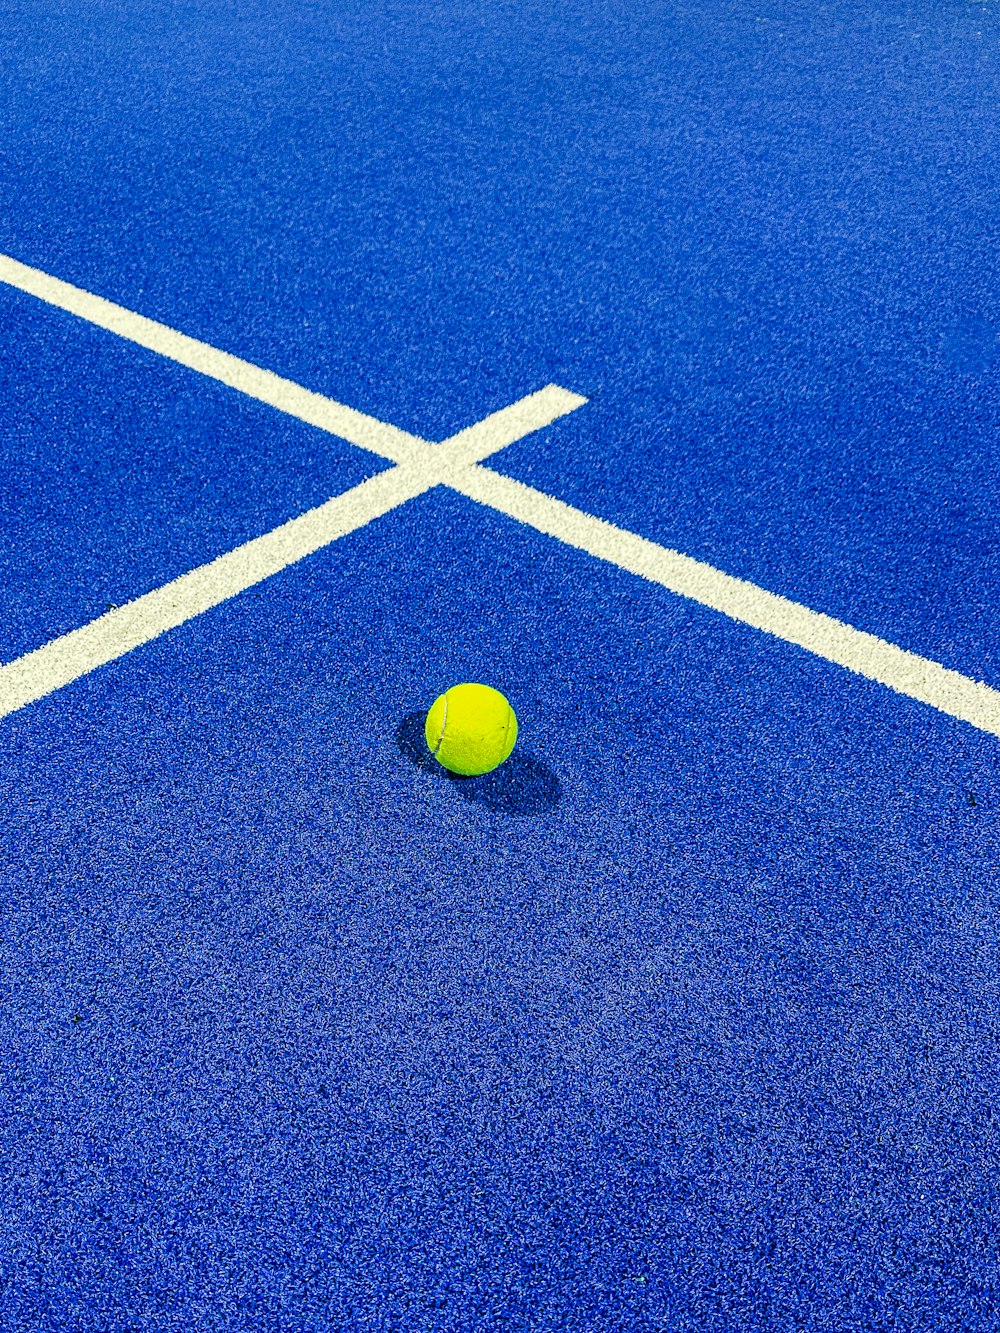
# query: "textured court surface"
(689, 1017)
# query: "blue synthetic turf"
(688, 1018)
(295, 1025)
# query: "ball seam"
(444, 723)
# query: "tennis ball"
(470, 729)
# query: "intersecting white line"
(863, 653)
(62, 660)
(355, 427)
(419, 466)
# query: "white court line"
(67, 658)
(863, 653)
(421, 465)
(355, 427)
(366, 432)
(83, 650)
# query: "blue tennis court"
(644, 363)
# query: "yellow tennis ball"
(470, 729)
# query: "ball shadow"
(521, 786)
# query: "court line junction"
(418, 466)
